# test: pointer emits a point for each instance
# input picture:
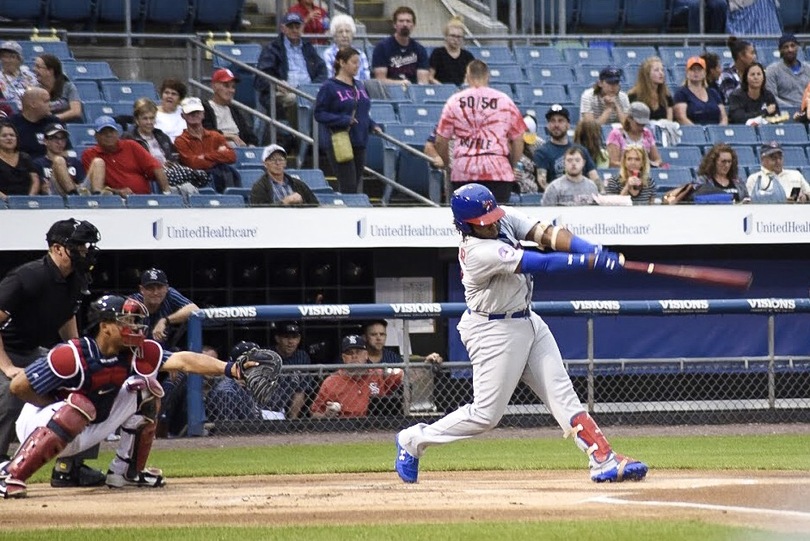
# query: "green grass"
(771, 452)
(478, 531)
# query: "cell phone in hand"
(794, 193)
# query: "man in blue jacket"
(292, 59)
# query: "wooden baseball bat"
(707, 275)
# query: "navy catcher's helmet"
(474, 204)
(129, 314)
(241, 348)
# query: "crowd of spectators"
(615, 113)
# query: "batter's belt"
(520, 314)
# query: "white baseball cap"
(190, 105)
(270, 149)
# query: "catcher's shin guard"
(46, 442)
(128, 468)
(605, 465)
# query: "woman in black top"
(751, 99)
(448, 64)
(18, 174)
(651, 89)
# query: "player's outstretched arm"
(198, 363)
(604, 261)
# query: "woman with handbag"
(342, 110)
(160, 146)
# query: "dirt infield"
(777, 501)
(772, 501)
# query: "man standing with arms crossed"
(38, 305)
(488, 131)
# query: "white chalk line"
(704, 507)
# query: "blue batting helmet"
(474, 204)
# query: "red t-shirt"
(130, 166)
(318, 24)
(354, 390)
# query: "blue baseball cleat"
(618, 468)
(406, 464)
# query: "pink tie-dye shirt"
(482, 121)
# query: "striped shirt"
(363, 74)
(173, 302)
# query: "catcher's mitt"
(261, 379)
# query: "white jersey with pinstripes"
(488, 267)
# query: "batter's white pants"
(33, 417)
(502, 352)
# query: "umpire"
(38, 305)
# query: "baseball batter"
(487, 128)
(506, 341)
(100, 383)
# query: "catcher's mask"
(130, 316)
(474, 204)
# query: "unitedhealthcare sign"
(775, 225)
(201, 232)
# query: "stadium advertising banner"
(248, 228)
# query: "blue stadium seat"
(732, 134)
(343, 199)
(3, 204)
(88, 91)
(432, 93)
(682, 156)
(629, 54)
(177, 12)
(35, 202)
(89, 71)
(541, 75)
(531, 199)
(250, 176)
(492, 54)
(535, 54)
(94, 109)
(506, 88)
(542, 95)
(672, 55)
(244, 193)
(70, 10)
(383, 113)
(693, 135)
(666, 179)
(17, 10)
(216, 201)
(794, 15)
(248, 157)
(32, 49)
(746, 157)
(598, 56)
(720, 50)
(247, 53)
(112, 11)
(411, 135)
(587, 73)
(654, 14)
(224, 14)
(81, 135)
(128, 91)
(786, 134)
(507, 74)
(599, 14)
(314, 178)
(95, 202)
(794, 157)
(410, 114)
(141, 201)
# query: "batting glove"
(607, 261)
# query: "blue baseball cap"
(104, 122)
(292, 18)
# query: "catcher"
(88, 387)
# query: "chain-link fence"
(327, 397)
(374, 397)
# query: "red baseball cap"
(223, 75)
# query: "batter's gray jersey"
(488, 267)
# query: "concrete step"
(378, 26)
(369, 8)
